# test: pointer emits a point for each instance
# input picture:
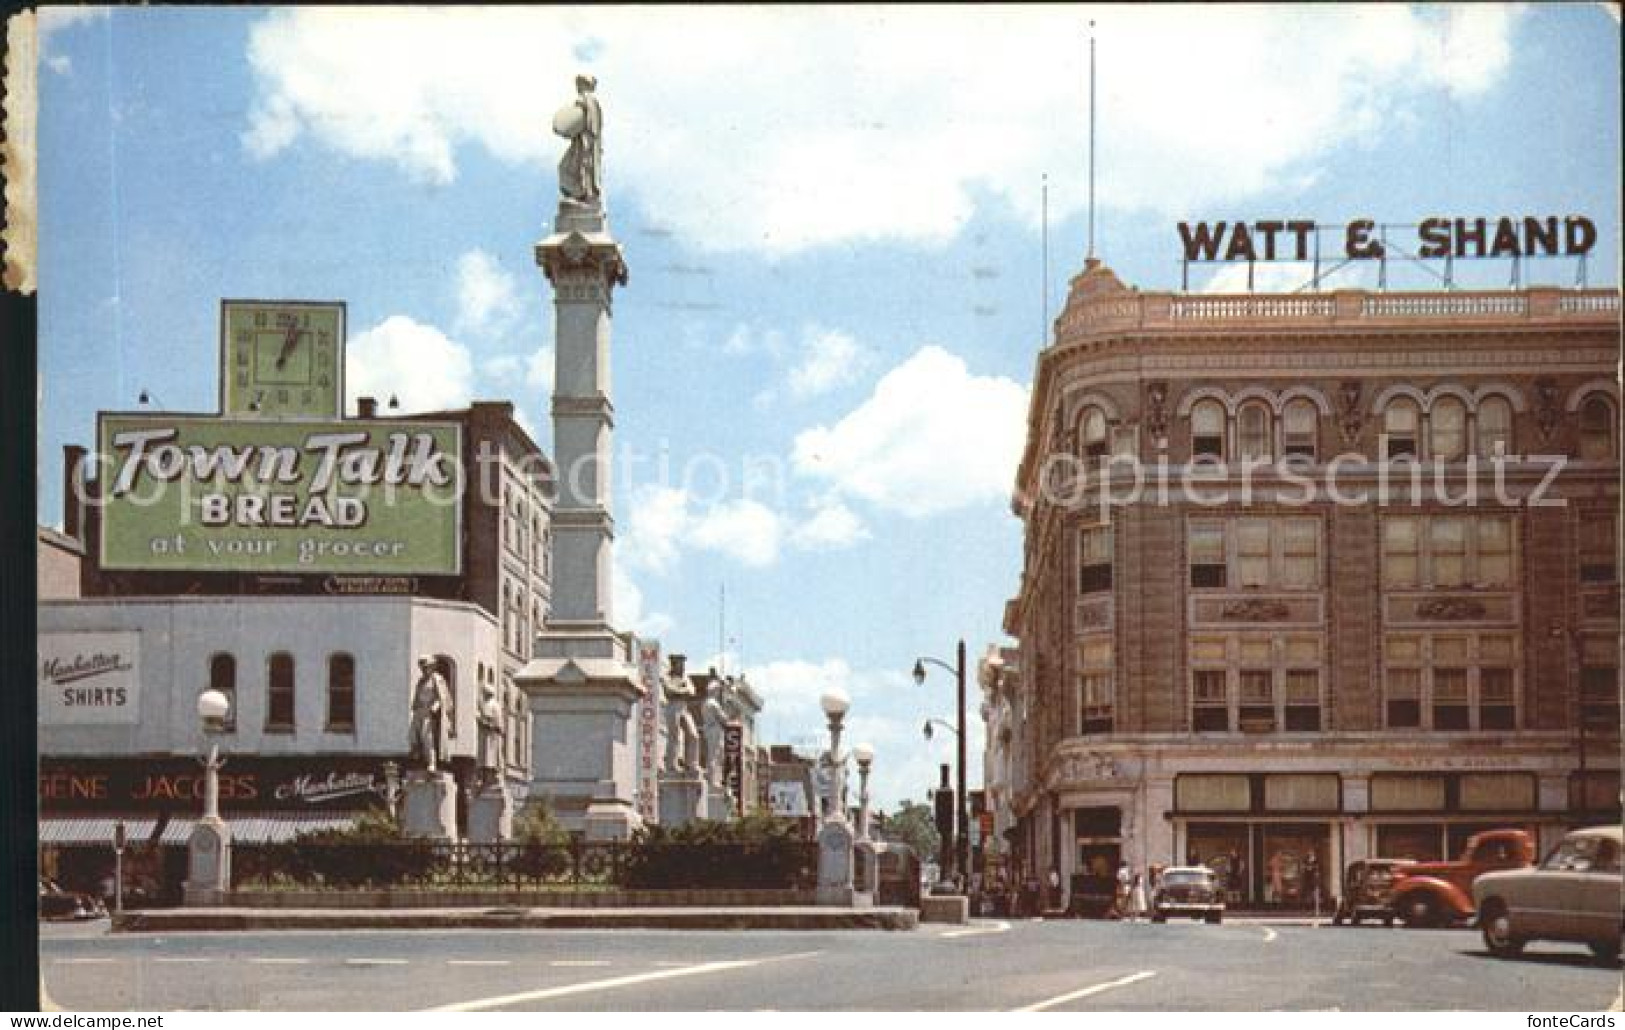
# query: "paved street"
(1056, 966)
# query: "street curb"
(170, 920)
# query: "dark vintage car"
(1188, 891)
(56, 903)
(1368, 891)
(1574, 895)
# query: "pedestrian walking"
(1125, 888)
(1137, 898)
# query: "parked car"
(56, 903)
(1440, 893)
(1188, 891)
(1368, 889)
(1574, 895)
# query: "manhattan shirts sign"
(89, 679)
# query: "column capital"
(577, 258)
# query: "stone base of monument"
(835, 865)
(682, 799)
(429, 806)
(611, 819)
(867, 879)
(208, 864)
(490, 815)
(719, 807)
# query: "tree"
(915, 825)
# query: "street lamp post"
(961, 803)
(209, 848)
(835, 704)
(1573, 655)
(835, 854)
(865, 754)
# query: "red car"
(1441, 893)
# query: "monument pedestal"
(490, 815)
(682, 799)
(582, 688)
(429, 806)
(835, 865)
(208, 863)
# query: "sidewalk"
(798, 918)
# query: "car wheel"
(1420, 911)
(1496, 926)
(1388, 921)
(1607, 951)
(1354, 920)
(1215, 917)
(1159, 918)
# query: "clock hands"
(288, 344)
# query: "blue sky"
(832, 220)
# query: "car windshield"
(1576, 854)
(1184, 877)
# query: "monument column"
(582, 682)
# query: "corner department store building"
(1279, 684)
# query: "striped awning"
(92, 830)
(266, 828)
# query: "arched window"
(1207, 430)
(1299, 422)
(1596, 429)
(279, 693)
(1092, 433)
(1494, 418)
(223, 677)
(1447, 429)
(341, 693)
(1400, 421)
(1253, 431)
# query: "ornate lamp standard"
(208, 863)
(835, 857)
(865, 754)
(961, 803)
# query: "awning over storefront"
(92, 830)
(267, 828)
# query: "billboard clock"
(282, 359)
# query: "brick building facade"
(1309, 578)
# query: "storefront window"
(1421, 843)
(1294, 865)
(1223, 849)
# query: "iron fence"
(623, 865)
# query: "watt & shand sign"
(205, 494)
(1363, 239)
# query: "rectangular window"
(1210, 707)
(1213, 793)
(279, 694)
(1402, 697)
(1095, 700)
(1300, 553)
(1599, 562)
(341, 694)
(1405, 793)
(1302, 699)
(1094, 559)
(1206, 543)
(1497, 707)
(1450, 710)
(1494, 552)
(1301, 792)
(223, 678)
(1497, 792)
(1298, 429)
(1447, 544)
(1252, 552)
(1401, 552)
(1599, 685)
(1257, 709)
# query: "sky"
(836, 224)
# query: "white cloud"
(629, 607)
(535, 370)
(1288, 277)
(930, 438)
(54, 18)
(654, 528)
(414, 362)
(59, 65)
(487, 296)
(828, 359)
(831, 525)
(848, 124)
(744, 529)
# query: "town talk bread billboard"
(205, 494)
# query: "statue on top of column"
(582, 123)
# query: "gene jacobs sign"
(204, 494)
(89, 679)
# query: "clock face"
(282, 359)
